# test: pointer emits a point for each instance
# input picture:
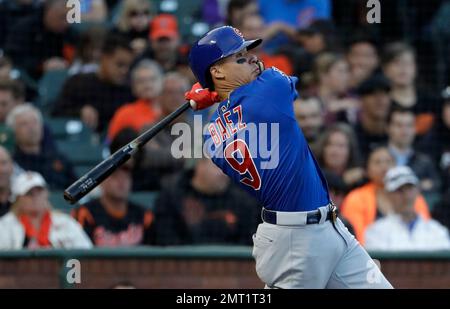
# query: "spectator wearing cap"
(113, 220)
(134, 23)
(398, 62)
(165, 46)
(146, 83)
(374, 111)
(40, 42)
(309, 115)
(363, 205)
(94, 97)
(401, 135)
(403, 229)
(165, 41)
(32, 223)
(30, 152)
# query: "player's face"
(236, 70)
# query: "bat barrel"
(94, 177)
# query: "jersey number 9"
(243, 165)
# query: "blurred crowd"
(374, 105)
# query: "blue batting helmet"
(213, 46)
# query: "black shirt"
(183, 215)
(4, 208)
(57, 171)
(88, 89)
(105, 229)
(368, 141)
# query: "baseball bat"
(96, 175)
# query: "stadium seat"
(49, 87)
(63, 128)
(7, 139)
(58, 202)
(81, 151)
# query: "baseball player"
(301, 242)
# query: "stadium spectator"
(134, 23)
(362, 56)
(401, 134)
(40, 42)
(11, 12)
(5, 67)
(32, 223)
(31, 153)
(165, 41)
(375, 105)
(309, 115)
(318, 37)
(113, 220)
(203, 207)
(399, 65)
(252, 27)
(238, 10)
(363, 205)
(337, 151)
(95, 97)
(331, 76)
(146, 83)
(403, 229)
(88, 51)
(437, 143)
(12, 93)
(158, 161)
(6, 172)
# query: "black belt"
(312, 217)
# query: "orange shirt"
(279, 61)
(133, 115)
(360, 207)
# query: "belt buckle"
(333, 210)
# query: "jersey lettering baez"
(254, 138)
